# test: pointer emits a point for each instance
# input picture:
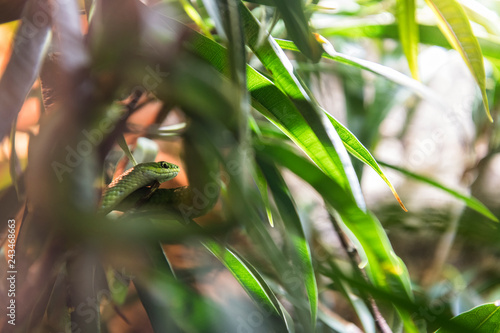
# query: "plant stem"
(355, 261)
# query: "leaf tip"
(487, 107)
(402, 205)
(490, 118)
(398, 199)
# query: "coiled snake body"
(131, 188)
(137, 179)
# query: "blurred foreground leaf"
(25, 61)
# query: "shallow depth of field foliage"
(342, 160)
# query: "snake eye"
(164, 165)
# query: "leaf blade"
(471, 202)
(408, 33)
(373, 67)
(247, 276)
(385, 265)
(276, 61)
(454, 24)
(356, 148)
(292, 12)
(294, 232)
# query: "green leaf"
(430, 35)
(455, 25)
(481, 319)
(292, 12)
(262, 186)
(249, 278)
(350, 141)
(335, 162)
(294, 232)
(387, 72)
(384, 268)
(359, 151)
(195, 16)
(279, 109)
(408, 33)
(471, 202)
(123, 145)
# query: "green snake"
(131, 186)
(138, 186)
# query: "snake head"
(165, 170)
(156, 171)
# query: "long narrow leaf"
(262, 186)
(279, 109)
(385, 269)
(269, 99)
(123, 145)
(384, 71)
(275, 60)
(195, 16)
(292, 12)
(363, 225)
(359, 151)
(428, 35)
(408, 33)
(471, 202)
(249, 278)
(294, 231)
(455, 25)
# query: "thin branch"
(355, 261)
